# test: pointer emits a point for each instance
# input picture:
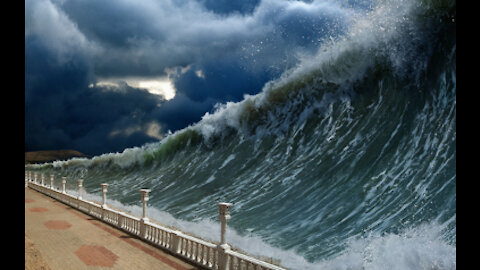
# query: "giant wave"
(347, 161)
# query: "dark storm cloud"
(145, 37)
(182, 111)
(212, 51)
(223, 79)
(230, 6)
(61, 111)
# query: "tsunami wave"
(347, 161)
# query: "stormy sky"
(102, 76)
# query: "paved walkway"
(69, 239)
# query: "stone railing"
(200, 252)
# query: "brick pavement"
(68, 239)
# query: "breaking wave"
(347, 161)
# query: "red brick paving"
(57, 224)
(143, 248)
(96, 255)
(38, 209)
(81, 245)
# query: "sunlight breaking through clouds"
(156, 86)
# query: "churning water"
(347, 161)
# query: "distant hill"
(52, 155)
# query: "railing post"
(144, 219)
(51, 180)
(224, 216)
(64, 181)
(120, 221)
(175, 242)
(43, 178)
(104, 201)
(80, 185)
(104, 193)
(26, 179)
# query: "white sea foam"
(210, 230)
(416, 248)
(421, 247)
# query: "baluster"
(200, 253)
(156, 235)
(191, 249)
(195, 251)
(208, 257)
(231, 261)
(160, 237)
(162, 240)
(166, 240)
(120, 221)
(184, 246)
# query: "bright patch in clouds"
(156, 86)
(164, 88)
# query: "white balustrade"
(195, 250)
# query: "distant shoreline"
(35, 157)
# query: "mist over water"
(347, 161)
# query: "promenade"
(69, 239)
